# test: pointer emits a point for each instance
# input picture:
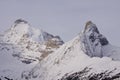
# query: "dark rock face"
(103, 41)
(95, 34)
(92, 37)
(19, 21)
(85, 75)
(92, 28)
(5, 78)
(93, 40)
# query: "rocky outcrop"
(93, 40)
(86, 75)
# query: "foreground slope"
(89, 56)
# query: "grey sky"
(64, 17)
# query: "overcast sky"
(65, 18)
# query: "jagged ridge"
(89, 49)
(21, 28)
(89, 52)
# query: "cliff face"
(96, 44)
(93, 40)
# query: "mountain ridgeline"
(27, 53)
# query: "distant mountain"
(22, 29)
(31, 40)
(23, 46)
(32, 54)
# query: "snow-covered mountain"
(96, 45)
(22, 29)
(89, 56)
(38, 55)
(22, 46)
(31, 40)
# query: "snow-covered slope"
(22, 47)
(89, 56)
(11, 67)
(21, 28)
(33, 42)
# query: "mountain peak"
(20, 24)
(21, 30)
(93, 40)
(90, 26)
(20, 21)
(88, 23)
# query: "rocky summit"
(93, 40)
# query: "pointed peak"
(90, 26)
(20, 24)
(20, 21)
(88, 23)
(93, 40)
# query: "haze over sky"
(65, 18)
